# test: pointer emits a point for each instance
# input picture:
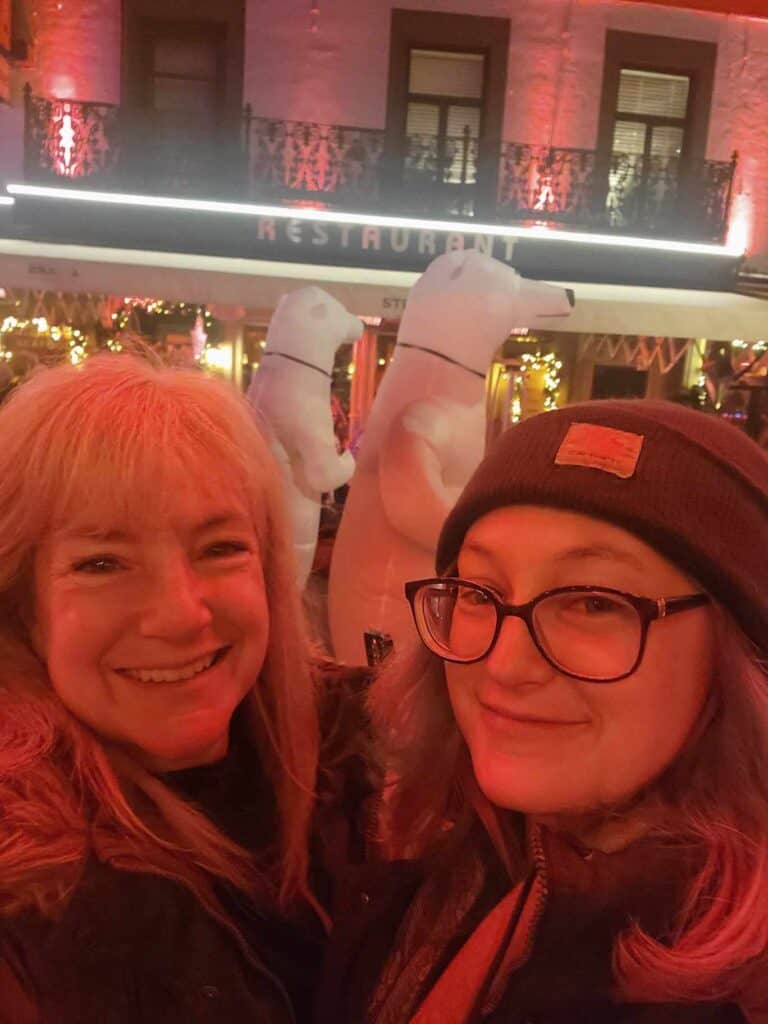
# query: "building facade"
(220, 154)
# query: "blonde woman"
(580, 749)
(172, 810)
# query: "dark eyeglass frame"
(649, 610)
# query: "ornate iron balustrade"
(439, 175)
(320, 164)
(440, 160)
(103, 145)
(179, 157)
(317, 162)
(69, 139)
(546, 184)
(619, 192)
(331, 165)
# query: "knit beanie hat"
(689, 484)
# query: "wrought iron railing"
(69, 139)
(107, 146)
(301, 159)
(440, 160)
(439, 174)
(174, 157)
(547, 184)
(619, 192)
(666, 194)
(335, 166)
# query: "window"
(183, 95)
(610, 381)
(445, 109)
(183, 72)
(445, 101)
(654, 121)
(651, 113)
(648, 138)
(184, 81)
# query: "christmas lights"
(157, 307)
(44, 334)
(546, 364)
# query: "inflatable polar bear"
(291, 393)
(424, 437)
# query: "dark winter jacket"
(135, 948)
(553, 964)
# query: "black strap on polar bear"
(441, 355)
(295, 359)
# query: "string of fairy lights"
(538, 372)
(545, 366)
(38, 334)
(157, 307)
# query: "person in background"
(180, 351)
(579, 752)
(178, 782)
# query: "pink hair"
(114, 437)
(715, 795)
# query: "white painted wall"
(76, 49)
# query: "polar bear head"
(309, 324)
(465, 305)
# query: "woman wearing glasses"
(579, 751)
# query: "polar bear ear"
(319, 311)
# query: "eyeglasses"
(595, 634)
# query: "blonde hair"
(116, 434)
(714, 796)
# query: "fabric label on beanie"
(596, 447)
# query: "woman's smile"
(154, 636)
(179, 672)
(505, 729)
(500, 717)
(593, 744)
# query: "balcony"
(332, 166)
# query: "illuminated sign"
(368, 241)
(390, 242)
(292, 219)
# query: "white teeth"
(170, 675)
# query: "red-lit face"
(180, 351)
(153, 635)
(544, 743)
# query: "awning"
(259, 284)
(255, 284)
(666, 313)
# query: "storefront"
(213, 273)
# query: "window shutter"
(423, 119)
(629, 137)
(651, 93)
(442, 73)
(460, 118)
